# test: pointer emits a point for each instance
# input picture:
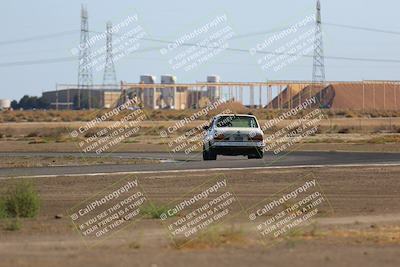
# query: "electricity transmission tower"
(85, 76)
(110, 77)
(319, 62)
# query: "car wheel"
(258, 155)
(205, 154)
(209, 154)
(213, 155)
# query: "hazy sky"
(169, 20)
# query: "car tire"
(213, 155)
(209, 154)
(205, 155)
(258, 155)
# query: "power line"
(70, 32)
(288, 54)
(361, 28)
(245, 35)
(60, 59)
(274, 53)
(36, 62)
(39, 37)
(65, 59)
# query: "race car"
(233, 135)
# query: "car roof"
(241, 115)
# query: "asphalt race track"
(194, 162)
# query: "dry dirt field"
(363, 229)
(340, 134)
(359, 225)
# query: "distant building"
(181, 98)
(174, 97)
(168, 94)
(366, 95)
(213, 92)
(73, 98)
(194, 97)
(5, 104)
(148, 96)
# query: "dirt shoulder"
(26, 146)
(364, 229)
(41, 161)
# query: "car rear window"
(236, 122)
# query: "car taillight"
(219, 137)
(257, 137)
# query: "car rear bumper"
(237, 148)
(238, 144)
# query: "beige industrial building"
(72, 98)
(356, 95)
(365, 95)
(174, 97)
(167, 94)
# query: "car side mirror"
(206, 127)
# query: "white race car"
(233, 135)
